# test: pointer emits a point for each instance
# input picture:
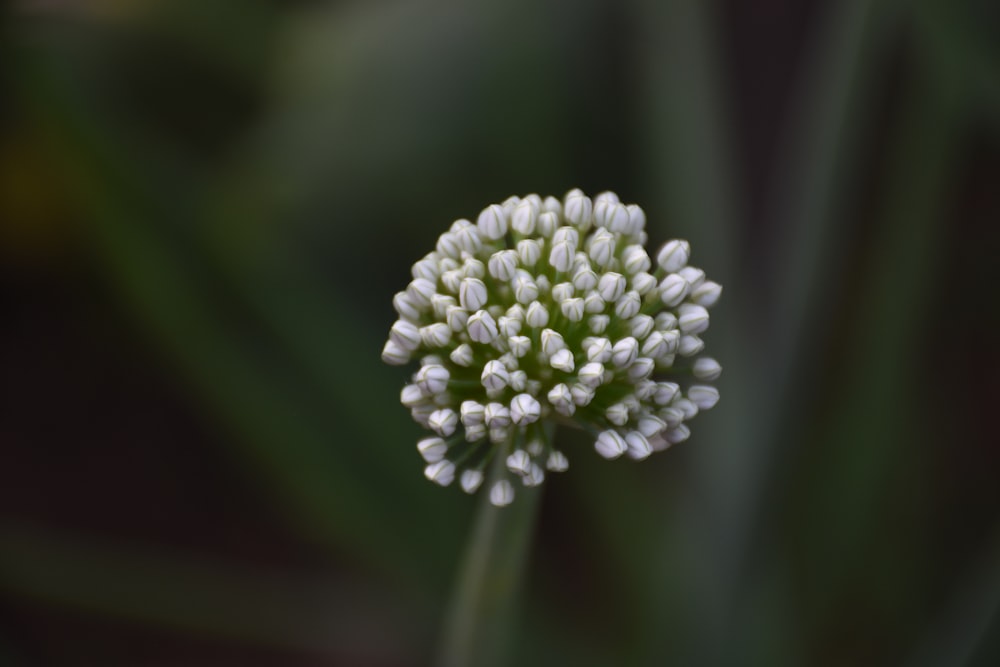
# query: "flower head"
(551, 311)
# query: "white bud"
(690, 346)
(610, 444)
(471, 413)
(440, 304)
(704, 396)
(462, 355)
(529, 252)
(472, 294)
(617, 414)
(582, 394)
(666, 321)
(641, 326)
(636, 219)
(594, 304)
(584, 280)
(448, 245)
(421, 412)
(519, 462)
(611, 286)
(496, 415)
(441, 472)
(562, 360)
(602, 248)
(537, 316)
(707, 293)
(598, 324)
(518, 380)
(481, 327)
(411, 396)
(643, 283)
(473, 268)
(635, 259)
(519, 345)
(492, 222)
(525, 409)
(494, 376)
(693, 275)
(567, 235)
(672, 339)
(638, 446)
(624, 352)
(562, 399)
(655, 346)
(544, 284)
(671, 415)
(557, 462)
(428, 269)
(525, 289)
(394, 355)
(674, 255)
(641, 369)
(546, 224)
(686, 406)
(503, 264)
(706, 368)
(678, 434)
(502, 493)
(650, 425)
(578, 209)
(599, 350)
(508, 326)
(534, 477)
(470, 480)
(436, 335)
(468, 238)
(452, 280)
(561, 256)
(628, 305)
(420, 291)
(665, 393)
(573, 309)
(693, 319)
(611, 214)
(405, 306)
(432, 379)
(644, 389)
(432, 449)
(673, 290)
(524, 216)
(475, 432)
(552, 341)
(405, 334)
(562, 291)
(443, 421)
(591, 374)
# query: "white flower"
(551, 310)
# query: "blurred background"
(205, 208)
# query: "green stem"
(478, 624)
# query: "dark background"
(205, 208)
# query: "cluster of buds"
(549, 311)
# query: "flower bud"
(561, 257)
(584, 280)
(706, 368)
(502, 493)
(529, 251)
(562, 360)
(707, 293)
(503, 264)
(472, 294)
(471, 480)
(494, 376)
(496, 415)
(591, 374)
(673, 290)
(441, 472)
(557, 462)
(704, 396)
(610, 444)
(628, 305)
(611, 286)
(436, 335)
(481, 327)
(443, 421)
(525, 409)
(432, 379)
(625, 352)
(602, 248)
(462, 355)
(643, 283)
(432, 449)
(524, 217)
(638, 446)
(693, 319)
(635, 260)
(673, 256)
(598, 324)
(492, 223)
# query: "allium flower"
(548, 311)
